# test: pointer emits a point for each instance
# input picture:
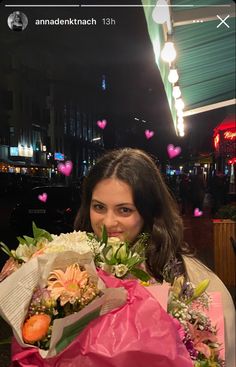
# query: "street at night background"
(70, 92)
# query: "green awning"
(205, 52)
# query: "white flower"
(75, 241)
(95, 247)
(120, 270)
(110, 269)
(113, 241)
(25, 252)
(116, 244)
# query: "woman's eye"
(98, 207)
(125, 210)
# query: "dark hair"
(152, 199)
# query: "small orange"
(35, 328)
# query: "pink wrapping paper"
(215, 312)
(216, 316)
(138, 334)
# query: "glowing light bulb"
(161, 12)
(181, 133)
(168, 53)
(180, 113)
(179, 104)
(176, 91)
(173, 76)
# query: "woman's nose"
(110, 219)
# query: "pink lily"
(200, 337)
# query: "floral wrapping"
(139, 333)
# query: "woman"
(17, 23)
(125, 192)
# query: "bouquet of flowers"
(118, 258)
(65, 295)
(190, 307)
(110, 254)
(55, 280)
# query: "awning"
(204, 37)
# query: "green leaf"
(140, 274)
(104, 235)
(41, 233)
(134, 260)
(120, 246)
(6, 249)
(29, 240)
(106, 250)
(21, 240)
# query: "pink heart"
(197, 212)
(102, 124)
(66, 168)
(43, 197)
(173, 151)
(149, 134)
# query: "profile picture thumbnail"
(17, 21)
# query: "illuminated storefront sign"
(14, 151)
(229, 135)
(25, 151)
(59, 156)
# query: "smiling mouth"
(114, 234)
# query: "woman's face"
(112, 205)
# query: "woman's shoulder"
(197, 272)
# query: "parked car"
(56, 213)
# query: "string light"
(173, 76)
(161, 13)
(179, 104)
(180, 121)
(176, 91)
(168, 52)
(180, 113)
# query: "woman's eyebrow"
(117, 205)
(123, 204)
(97, 201)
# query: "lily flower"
(199, 337)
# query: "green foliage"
(227, 212)
(104, 235)
(122, 254)
(38, 233)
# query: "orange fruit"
(35, 328)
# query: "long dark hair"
(152, 199)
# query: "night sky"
(123, 53)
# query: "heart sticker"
(43, 197)
(66, 168)
(149, 134)
(197, 212)
(173, 151)
(102, 124)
